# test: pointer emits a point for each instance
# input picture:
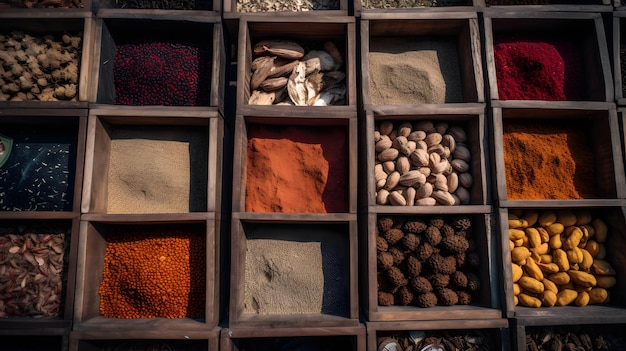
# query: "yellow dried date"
(582, 299)
(546, 218)
(566, 297)
(529, 301)
(549, 285)
(516, 234)
(534, 238)
(582, 279)
(598, 295)
(533, 270)
(574, 235)
(531, 285)
(606, 281)
(520, 253)
(517, 272)
(548, 298)
(602, 267)
(555, 229)
(560, 278)
(560, 258)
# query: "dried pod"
(466, 180)
(424, 190)
(262, 61)
(409, 195)
(442, 167)
(273, 84)
(443, 197)
(448, 140)
(396, 198)
(458, 133)
(282, 67)
(463, 194)
(462, 153)
(392, 180)
(382, 197)
(389, 166)
(433, 139)
(261, 73)
(425, 171)
(412, 178)
(440, 182)
(403, 164)
(260, 97)
(419, 158)
(433, 160)
(296, 86)
(388, 155)
(383, 144)
(417, 135)
(385, 127)
(412, 146)
(282, 48)
(460, 165)
(453, 182)
(425, 125)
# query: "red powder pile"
(538, 70)
(297, 169)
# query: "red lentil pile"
(162, 73)
(152, 272)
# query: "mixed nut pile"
(573, 338)
(31, 271)
(282, 74)
(434, 341)
(423, 163)
(559, 258)
(425, 262)
(43, 68)
(391, 4)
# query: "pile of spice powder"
(546, 160)
(152, 272)
(162, 73)
(297, 169)
(547, 69)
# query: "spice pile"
(282, 74)
(164, 4)
(391, 4)
(286, 5)
(414, 70)
(162, 73)
(153, 272)
(43, 68)
(38, 175)
(434, 341)
(41, 4)
(297, 169)
(574, 337)
(422, 164)
(547, 69)
(425, 262)
(559, 258)
(546, 160)
(31, 271)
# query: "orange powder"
(547, 160)
(296, 169)
(153, 273)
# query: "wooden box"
(17, 9)
(603, 142)
(340, 30)
(24, 188)
(124, 173)
(95, 233)
(269, 288)
(112, 8)
(199, 33)
(339, 194)
(53, 341)
(456, 73)
(484, 305)
(470, 118)
(579, 39)
(158, 338)
(238, 9)
(619, 36)
(609, 312)
(40, 328)
(369, 9)
(40, 24)
(493, 333)
(600, 335)
(334, 338)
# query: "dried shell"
(412, 178)
(466, 180)
(426, 126)
(313, 85)
(317, 60)
(385, 127)
(419, 158)
(442, 167)
(405, 129)
(440, 182)
(463, 195)
(282, 48)
(273, 84)
(441, 127)
(383, 144)
(460, 165)
(458, 133)
(401, 143)
(434, 159)
(443, 197)
(417, 135)
(379, 173)
(425, 171)
(396, 199)
(388, 155)
(382, 197)
(437, 149)
(423, 191)
(427, 201)
(462, 153)
(409, 196)
(433, 139)
(296, 86)
(392, 180)
(262, 61)
(403, 164)
(261, 73)
(448, 140)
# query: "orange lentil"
(153, 272)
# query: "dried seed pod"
(273, 84)
(401, 143)
(388, 155)
(296, 87)
(409, 195)
(460, 165)
(419, 158)
(463, 194)
(383, 144)
(433, 139)
(405, 129)
(282, 67)
(458, 133)
(396, 198)
(453, 182)
(261, 73)
(389, 166)
(403, 164)
(466, 180)
(392, 180)
(427, 201)
(260, 97)
(462, 153)
(412, 178)
(448, 140)
(261, 62)
(424, 190)
(282, 48)
(417, 135)
(443, 197)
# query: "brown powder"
(412, 70)
(547, 160)
(296, 169)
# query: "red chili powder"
(538, 70)
(297, 169)
(547, 161)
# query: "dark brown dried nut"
(425, 125)
(405, 129)
(458, 133)
(385, 127)
(462, 152)
(433, 139)
(261, 73)
(460, 165)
